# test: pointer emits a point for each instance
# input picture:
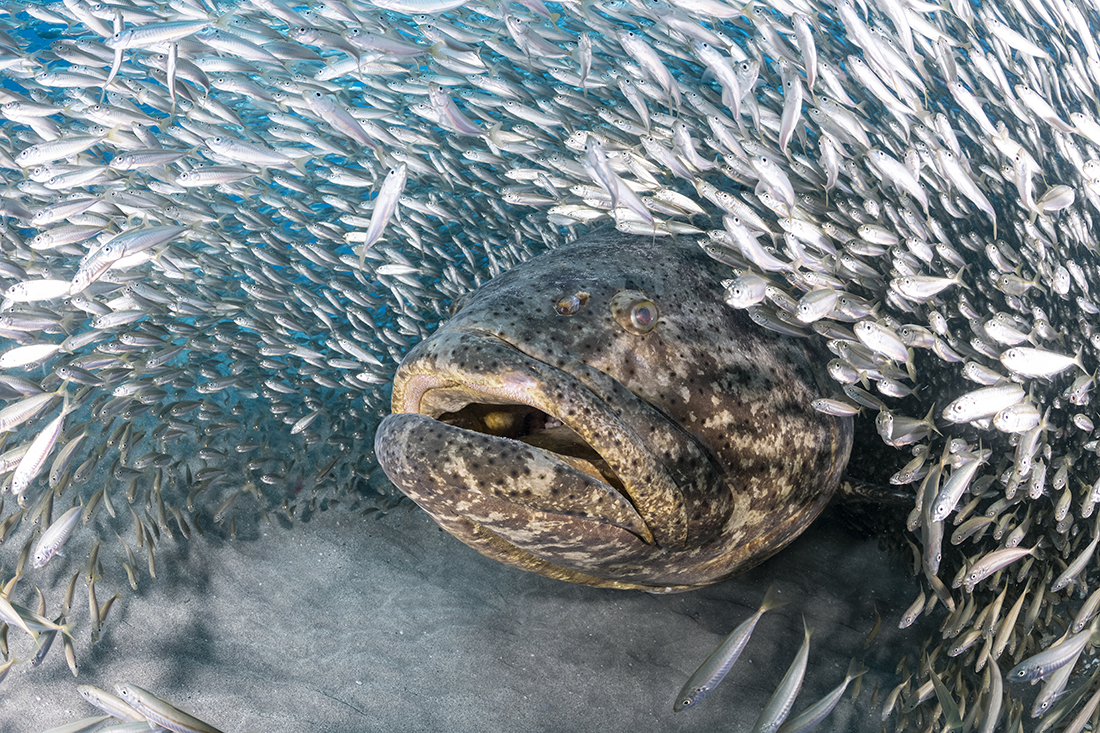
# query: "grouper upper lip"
(467, 372)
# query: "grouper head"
(600, 415)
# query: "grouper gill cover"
(224, 226)
(546, 427)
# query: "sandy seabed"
(344, 623)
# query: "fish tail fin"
(69, 322)
(772, 600)
(814, 17)
(947, 702)
(958, 277)
(930, 419)
(66, 398)
(855, 669)
(1077, 359)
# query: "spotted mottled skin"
(710, 457)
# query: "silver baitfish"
(715, 667)
(200, 247)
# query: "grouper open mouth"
(536, 454)
(485, 412)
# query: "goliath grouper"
(600, 415)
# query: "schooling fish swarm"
(194, 267)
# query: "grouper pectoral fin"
(497, 481)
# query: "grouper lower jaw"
(527, 508)
(524, 493)
(567, 539)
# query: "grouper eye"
(634, 311)
(570, 304)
